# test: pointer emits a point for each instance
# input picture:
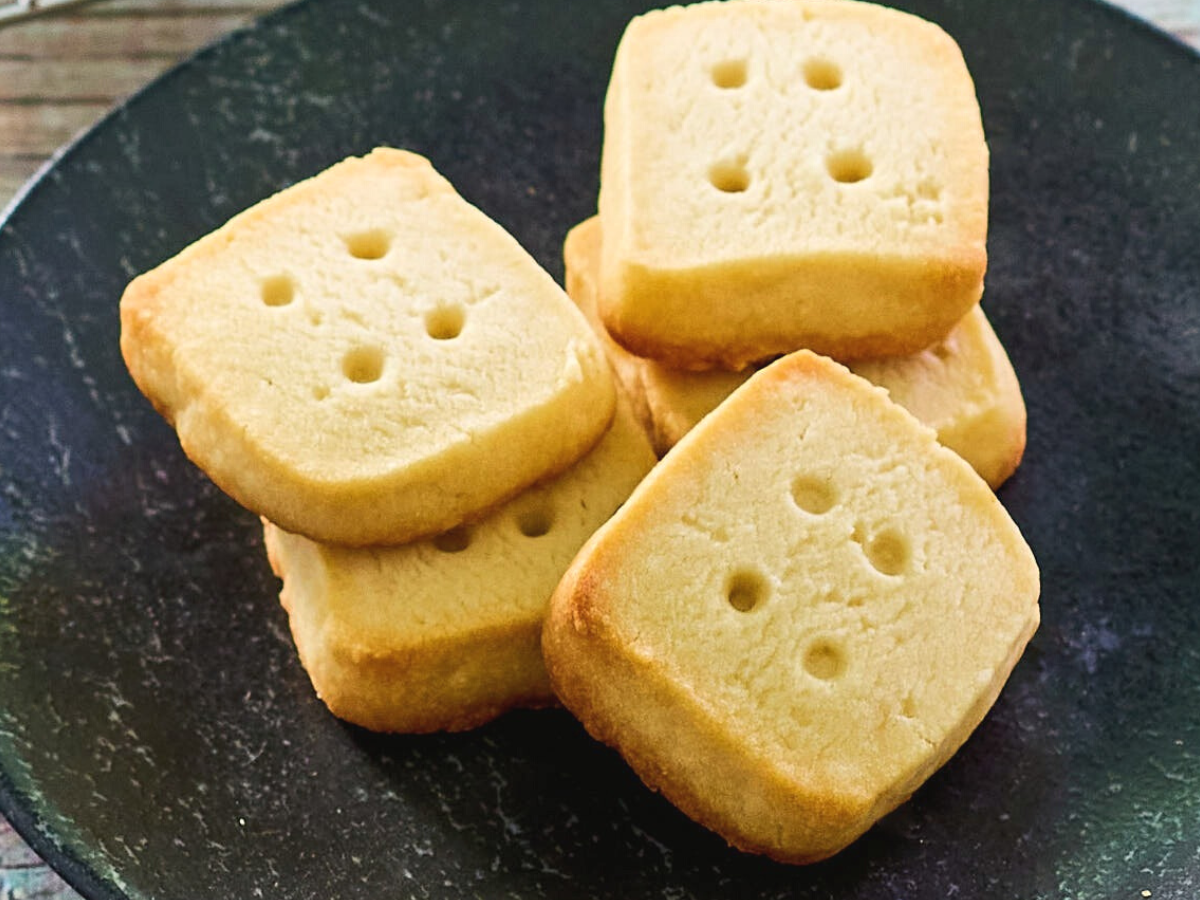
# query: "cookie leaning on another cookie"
(963, 387)
(366, 358)
(778, 175)
(798, 616)
(445, 633)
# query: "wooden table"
(59, 73)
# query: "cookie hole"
(456, 540)
(822, 74)
(849, 166)
(824, 660)
(908, 707)
(813, 495)
(320, 392)
(745, 590)
(535, 521)
(362, 365)
(729, 177)
(278, 290)
(888, 552)
(371, 244)
(943, 351)
(730, 73)
(444, 323)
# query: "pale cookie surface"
(798, 616)
(365, 357)
(778, 175)
(963, 387)
(444, 633)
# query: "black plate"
(158, 737)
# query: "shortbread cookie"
(778, 175)
(444, 633)
(366, 358)
(798, 616)
(963, 387)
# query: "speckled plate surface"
(158, 738)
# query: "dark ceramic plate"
(158, 738)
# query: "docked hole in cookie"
(362, 365)
(371, 244)
(455, 540)
(445, 322)
(278, 290)
(888, 552)
(729, 177)
(729, 73)
(822, 74)
(824, 660)
(813, 495)
(535, 521)
(849, 166)
(745, 590)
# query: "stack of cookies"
(799, 612)
(963, 386)
(422, 418)
(810, 602)
(779, 176)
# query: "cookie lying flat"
(444, 633)
(785, 175)
(798, 615)
(963, 387)
(366, 358)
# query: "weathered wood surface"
(59, 74)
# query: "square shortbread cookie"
(444, 633)
(780, 174)
(366, 358)
(798, 615)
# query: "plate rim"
(22, 811)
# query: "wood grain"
(59, 74)
(110, 37)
